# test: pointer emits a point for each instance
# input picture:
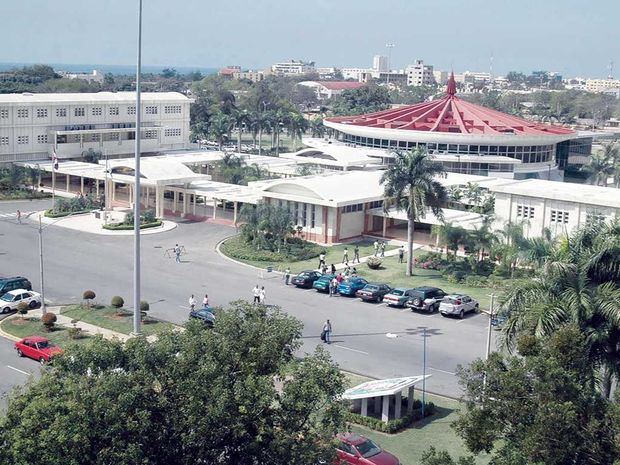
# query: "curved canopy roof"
(450, 114)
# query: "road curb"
(6, 335)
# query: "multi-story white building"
(354, 73)
(419, 74)
(600, 85)
(95, 76)
(32, 126)
(380, 63)
(250, 75)
(293, 68)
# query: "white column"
(147, 197)
(385, 411)
(113, 187)
(130, 191)
(397, 404)
(364, 409)
(97, 187)
(234, 212)
(175, 199)
(68, 182)
(214, 207)
(410, 400)
(194, 204)
(184, 203)
(159, 200)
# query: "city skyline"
(555, 40)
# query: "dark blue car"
(350, 287)
(204, 314)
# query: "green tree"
(540, 407)
(434, 457)
(220, 126)
(362, 100)
(410, 185)
(233, 395)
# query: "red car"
(38, 348)
(355, 449)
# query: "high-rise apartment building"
(419, 74)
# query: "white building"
(325, 90)
(600, 85)
(293, 68)
(380, 63)
(95, 76)
(355, 73)
(32, 126)
(419, 74)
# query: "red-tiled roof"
(341, 85)
(451, 114)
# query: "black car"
(204, 314)
(425, 298)
(373, 292)
(10, 284)
(306, 278)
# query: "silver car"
(458, 304)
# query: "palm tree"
(241, 119)
(603, 165)
(220, 127)
(297, 125)
(317, 128)
(410, 184)
(451, 237)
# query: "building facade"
(32, 126)
(419, 74)
(380, 63)
(293, 68)
(601, 85)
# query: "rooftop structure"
(293, 68)
(325, 90)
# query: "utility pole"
(424, 374)
(43, 307)
(136, 204)
(491, 314)
(389, 46)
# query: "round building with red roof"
(465, 137)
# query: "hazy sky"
(574, 37)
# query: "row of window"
(172, 132)
(358, 207)
(172, 109)
(95, 111)
(559, 217)
(525, 211)
(294, 210)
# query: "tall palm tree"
(411, 184)
(220, 127)
(602, 165)
(296, 126)
(241, 119)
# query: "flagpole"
(136, 204)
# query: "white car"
(10, 300)
(457, 304)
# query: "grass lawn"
(410, 444)
(106, 317)
(32, 327)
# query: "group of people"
(192, 302)
(379, 247)
(259, 294)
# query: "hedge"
(53, 214)
(129, 227)
(392, 426)
(297, 250)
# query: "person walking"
(205, 301)
(356, 254)
(401, 254)
(345, 255)
(382, 249)
(376, 246)
(177, 253)
(324, 269)
(261, 295)
(339, 278)
(321, 259)
(287, 275)
(333, 269)
(192, 303)
(333, 287)
(19, 217)
(327, 332)
(256, 294)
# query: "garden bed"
(25, 327)
(394, 425)
(54, 214)
(129, 227)
(299, 250)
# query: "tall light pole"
(43, 307)
(136, 204)
(424, 374)
(389, 46)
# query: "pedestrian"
(287, 275)
(401, 254)
(321, 259)
(324, 269)
(256, 294)
(345, 255)
(333, 269)
(376, 246)
(205, 301)
(347, 270)
(382, 249)
(356, 254)
(261, 295)
(19, 217)
(177, 253)
(333, 287)
(354, 272)
(339, 278)
(192, 303)
(327, 332)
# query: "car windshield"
(7, 297)
(303, 275)
(44, 345)
(371, 287)
(397, 292)
(206, 312)
(368, 448)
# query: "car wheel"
(20, 353)
(33, 304)
(42, 361)
(380, 299)
(444, 315)
(462, 314)
(6, 310)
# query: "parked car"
(458, 304)
(322, 284)
(351, 286)
(16, 282)
(398, 297)
(204, 314)
(38, 348)
(306, 278)
(373, 292)
(356, 449)
(10, 300)
(425, 298)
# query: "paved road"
(13, 369)
(76, 261)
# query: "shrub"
(48, 320)
(75, 333)
(476, 281)
(395, 425)
(296, 249)
(144, 306)
(22, 308)
(117, 302)
(374, 263)
(88, 296)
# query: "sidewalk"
(388, 253)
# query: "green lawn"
(106, 317)
(32, 327)
(410, 444)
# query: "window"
(595, 216)
(151, 134)
(4, 113)
(4, 140)
(376, 204)
(525, 211)
(96, 111)
(94, 137)
(150, 110)
(61, 112)
(79, 111)
(22, 112)
(41, 112)
(559, 216)
(42, 139)
(172, 109)
(131, 110)
(114, 111)
(172, 132)
(358, 207)
(22, 140)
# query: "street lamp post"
(424, 373)
(43, 306)
(389, 46)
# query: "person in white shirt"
(192, 303)
(261, 295)
(327, 332)
(205, 301)
(256, 294)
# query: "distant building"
(419, 74)
(328, 89)
(600, 85)
(441, 77)
(229, 71)
(95, 76)
(380, 63)
(326, 72)
(293, 68)
(354, 73)
(254, 76)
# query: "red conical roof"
(451, 89)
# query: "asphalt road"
(76, 261)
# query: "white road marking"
(405, 310)
(348, 348)
(310, 290)
(18, 370)
(442, 371)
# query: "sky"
(573, 37)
